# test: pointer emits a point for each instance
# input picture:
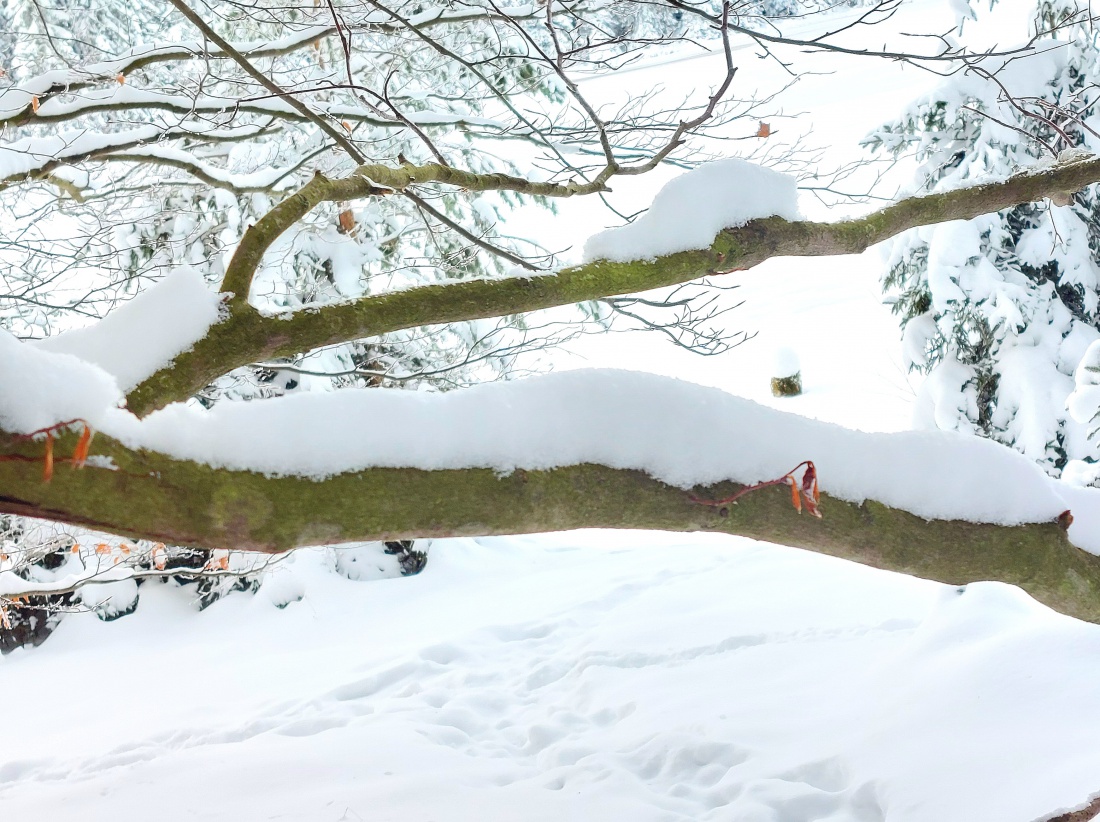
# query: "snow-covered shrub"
(1000, 310)
(80, 571)
(29, 621)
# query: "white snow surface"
(583, 676)
(690, 210)
(146, 333)
(41, 388)
(785, 362)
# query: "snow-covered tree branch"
(248, 336)
(142, 493)
(547, 455)
(299, 207)
(299, 301)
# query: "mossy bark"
(787, 386)
(155, 497)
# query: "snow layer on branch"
(33, 153)
(15, 101)
(41, 388)
(678, 432)
(690, 210)
(146, 333)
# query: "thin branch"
(261, 78)
(461, 231)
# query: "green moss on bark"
(155, 497)
(787, 386)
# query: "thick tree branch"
(152, 496)
(1086, 813)
(369, 180)
(247, 336)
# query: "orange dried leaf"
(34, 104)
(811, 506)
(809, 480)
(347, 221)
(794, 496)
(346, 125)
(47, 467)
(80, 453)
(121, 79)
(810, 491)
(103, 548)
(76, 549)
(765, 130)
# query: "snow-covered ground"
(577, 677)
(595, 675)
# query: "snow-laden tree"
(999, 311)
(106, 197)
(127, 161)
(376, 137)
(162, 185)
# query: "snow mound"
(145, 334)
(690, 210)
(583, 677)
(42, 388)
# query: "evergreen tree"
(999, 311)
